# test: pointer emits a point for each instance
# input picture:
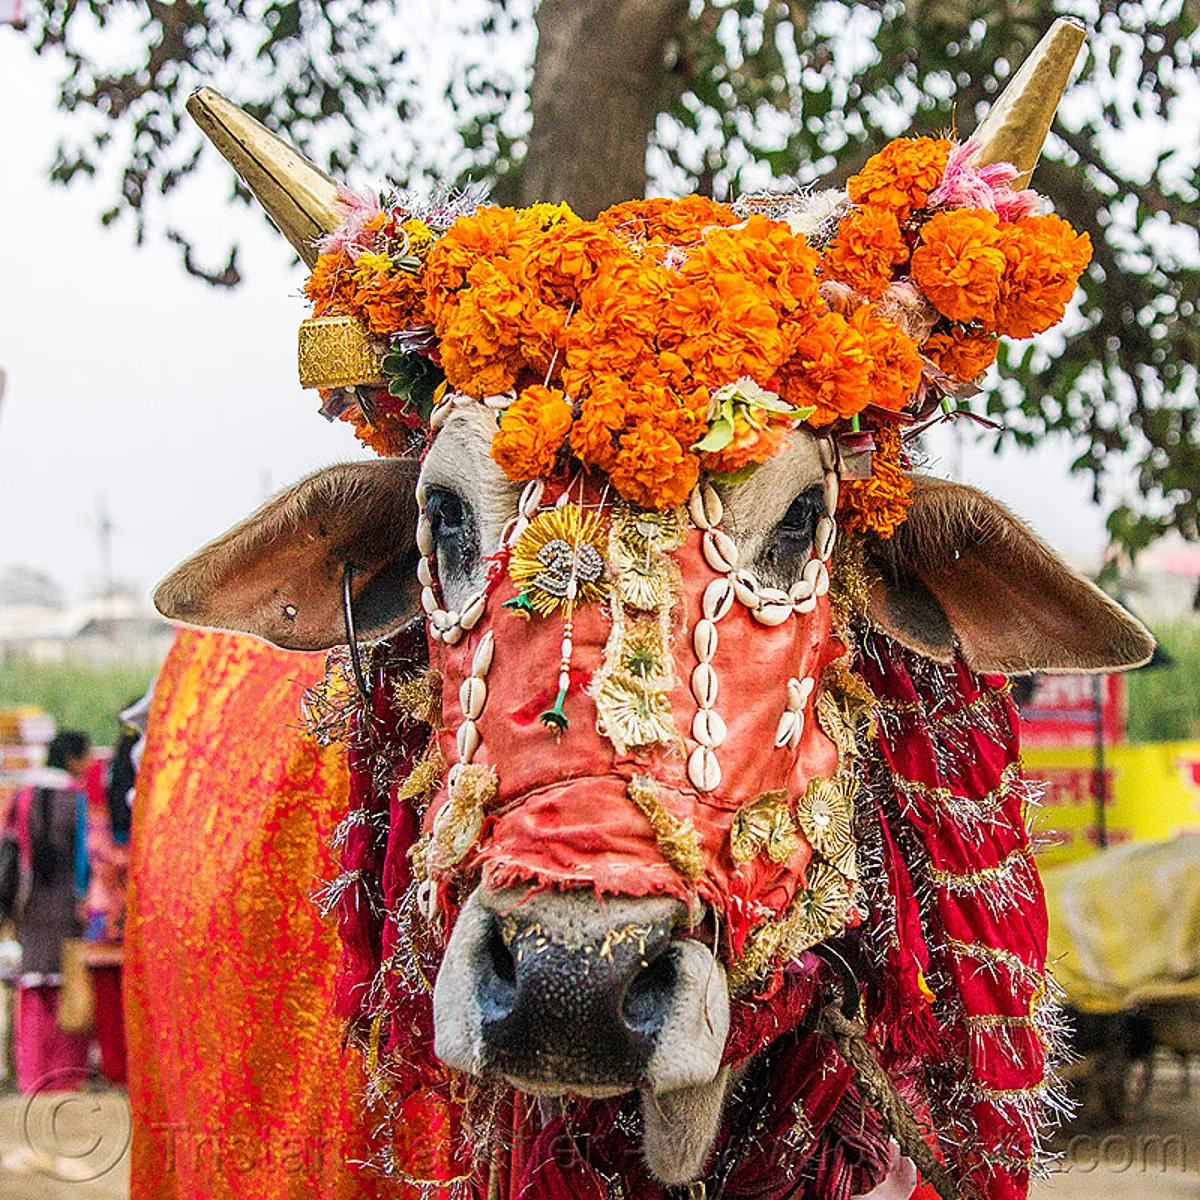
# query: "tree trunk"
(594, 97)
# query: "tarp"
(1125, 925)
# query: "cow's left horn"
(1015, 129)
(298, 196)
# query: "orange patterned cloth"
(238, 1084)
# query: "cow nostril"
(648, 998)
(504, 967)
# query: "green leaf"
(718, 437)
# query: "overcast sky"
(177, 404)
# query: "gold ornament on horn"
(1015, 129)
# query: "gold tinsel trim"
(677, 840)
(764, 824)
(420, 698)
(816, 912)
(457, 827)
(825, 815)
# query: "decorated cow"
(687, 851)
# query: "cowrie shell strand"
(703, 769)
(826, 535)
(467, 740)
(787, 733)
(472, 696)
(745, 587)
(772, 614)
(482, 662)
(708, 728)
(720, 551)
(832, 491)
(704, 640)
(718, 599)
(704, 685)
(424, 536)
(822, 585)
(473, 613)
(531, 497)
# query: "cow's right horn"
(299, 197)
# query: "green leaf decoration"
(719, 436)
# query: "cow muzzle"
(566, 992)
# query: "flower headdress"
(668, 337)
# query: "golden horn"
(1015, 129)
(299, 197)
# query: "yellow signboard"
(1153, 794)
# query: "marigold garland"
(673, 336)
(879, 504)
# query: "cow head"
(648, 726)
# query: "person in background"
(52, 817)
(110, 791)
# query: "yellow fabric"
(1125, 925)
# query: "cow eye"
(454, 535)
(790, 544)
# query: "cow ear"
(962, 573)
(279, 574)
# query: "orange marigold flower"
(677, 222)
(880, 504)
(1044, 259)
(387, 299)
(492, 234)
(959, 263)
(329, 282)
(963, 353)
(901, 176)
(868, 246)
(653, 469)
(829, 370)
(894, 357)
(602, 415)
(531, 432)
(566, 257)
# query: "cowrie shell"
(440, 415)
(718, 599)
(519, 526)
(473, 613)
(421, 495)
(800, 590)
(822, 584)
(429, 601)
(472, 696)
(703, 769)
(826, 535)
(772, 614)
(467, 740)
(828, 455)
(806, 606)
(424, 573)
(832, 491)
(770, 595)
(435, 632)
(798, 691)
(443, 620)
(705, 507)
(787, 729)
(720, 551)
(812, 570)
(482, 662)
(453, 634)
(500, 399)
(461, 399)
(745, 588)
(427, 900)
(531, 497)
(424, 536)
(704, 640)
(705, 685)
(708, 728)
(455, 774)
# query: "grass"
(77, 693)
(1164, 702)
